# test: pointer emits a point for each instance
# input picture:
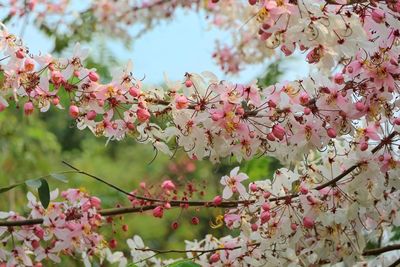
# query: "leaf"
(184, 263)
(44, 193)
(35, 183)
(60, 177)
(7, 188)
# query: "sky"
(182, 45)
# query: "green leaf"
(7, 188)
(60, 177)
(184, 263)
(35, 183)
(44, 193)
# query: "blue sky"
(182, 45)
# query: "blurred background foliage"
(35, 146)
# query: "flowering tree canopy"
(335, 131)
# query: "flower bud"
(188, 83)
(195, 220)
(278, 131)
(158, 212)
(28, 108)
(143, 115)
(215, 257)
(360, 106)
(181, 102)
(168, 185)
(217, 200)
(134, 91)
(91, 115)
(308, 222)
(74, 111)
(93, 76)
(331, 132)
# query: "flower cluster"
(68, 227)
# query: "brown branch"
(377, 251)
(126, 210)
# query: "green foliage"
(272, 74)
(184, 263)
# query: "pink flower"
(181, 102)
(28, 108)
(233, 184)
(143, 115)
(158, 212)
(93, 76)
(74, 111)
(308, 222)
(278, 131)
(168, 185)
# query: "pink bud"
(304, 98)
(20, 54)
(181, 102)
(307, 111)
(93, 76)
(265, 217)
(142, 185)
(397, 121)
(271, 137)
(134, 91)
(303, 189)
(158, 212)
(378, 15)
(363, 146)
(77, 73)
(252, 2)
(28, 108)
(175, 225)
(293, 226)
(56, 77)
(278, 131)
(91, 115)
(253, 187)
(286, 50)
(74, 111)
(56, 101)
(2, 107)
(254, 227)
(195, 220)
(215, 257)
(35, 244)
(216, 116)
(308, 222)
(96, 202)
(217, 200)
(125, 227)
(338, 78)
(360, 106)
(331, 132)
(266, 206)
(39, 232)
(168, 185)
(113, 243)
(143, 115)
(167, 205)
(188, 83)
(267, 194)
